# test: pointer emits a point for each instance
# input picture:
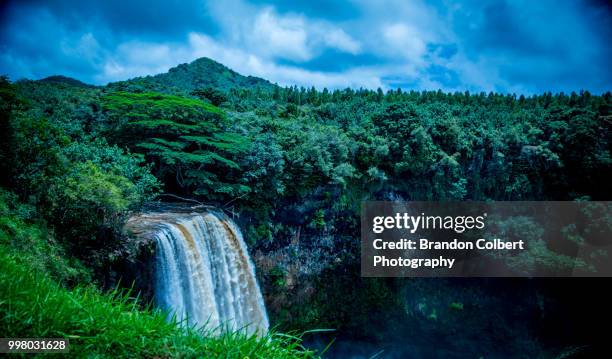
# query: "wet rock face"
(136, 272)
(308, 284)
(132, 263)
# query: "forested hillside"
(291, 164)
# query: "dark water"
(349, 349)
(556, 318)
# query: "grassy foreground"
(111, 325)
(35, 301)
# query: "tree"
(213, 95)
(186, 138)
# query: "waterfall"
(203, 273)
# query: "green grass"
(111, 325)
(35, 301)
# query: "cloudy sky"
(505, 46)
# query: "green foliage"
(185, 78)
(80, 185)
(213, 95)
(185, 138)
(456, 306)
(76, 183)
(36, 151)
(277, 275)
(590, 234)
(111, 325)
(328, 304)
(114, 161)
(433, 315)
(8, 101)
(289, 160)
(86, 198)
(318, 220)
(537, 253)
(24, 235)
(75, 110)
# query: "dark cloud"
(161, 19)
(448, 78)
(507, 46)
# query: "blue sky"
(504, 46)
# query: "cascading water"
(204, 274)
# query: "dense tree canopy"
(293, 164)
(272, 151)
(186, 138)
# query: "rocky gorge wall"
(310, 279)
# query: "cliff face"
(420, 317)
(133, 267)
(310, 279)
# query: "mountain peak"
(65, 80)
(200, 73)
